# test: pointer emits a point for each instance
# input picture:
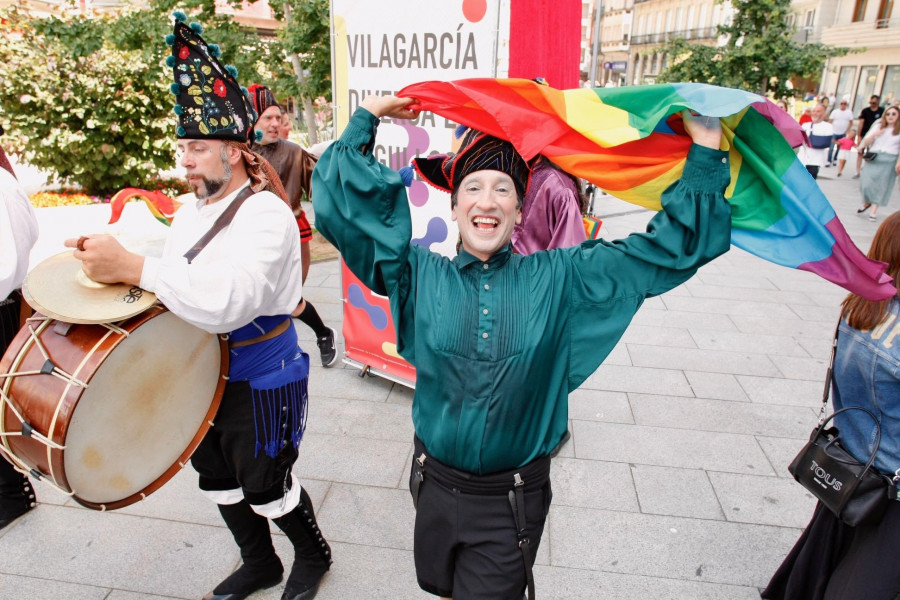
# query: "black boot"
(16, 494)
(261, 567)
(312, 555)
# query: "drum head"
(58, 288)
(141, 410)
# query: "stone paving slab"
(796, 367)
(370, 516)
(738, 281)
(781, 451)
(794, 327)
(362, 461)
(737, 292)
(593, 484)
(343, 381)
(676, 492)
(731, 341)
(714, 361)
(671, 337)
(615, 378)
(668, 447)
(366, 571)
(720, 386)
(727, 307)
(115, 550)
(41, 588)
(796, 392)
(577, 584)
(694, 550)
(753, 499)
(359, 418)
(720, 415)
(683, 319)
(592, 405)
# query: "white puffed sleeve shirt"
(18, 233)
(250, 269)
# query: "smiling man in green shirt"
(499, 340)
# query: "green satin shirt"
(499, 345)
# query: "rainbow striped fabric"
(161, 206)
(630, 141)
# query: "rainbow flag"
(630, 141)
(162, 206)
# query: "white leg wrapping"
(282, 506)
(224, 496)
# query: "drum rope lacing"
(48, 368)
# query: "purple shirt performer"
(551, 212)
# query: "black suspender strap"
(221, 223)
(418, 478)
(517, 503)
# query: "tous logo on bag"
(823, 475)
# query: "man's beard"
(211, 187)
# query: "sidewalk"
(674, 485)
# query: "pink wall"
(545, 41)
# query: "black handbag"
(868, 154)
(854, 492)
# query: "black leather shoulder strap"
(221, 223)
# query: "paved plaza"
(673, 486)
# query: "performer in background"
(244, 283)
(294, 166)
(551, 211)
(499, 340)
(18, 233)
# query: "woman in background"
(879, 176)
(832, 560)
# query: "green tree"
(305, 40)
(88, 98)
(76, 106)
(759, 55)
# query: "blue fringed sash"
(277, 371)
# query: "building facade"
(656, 22)
(872, 29)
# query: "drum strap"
(221, 223)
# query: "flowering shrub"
(51, 199)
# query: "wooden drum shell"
(95, 425)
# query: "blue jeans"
(835, 148)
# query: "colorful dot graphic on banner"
(418, 193)
(474, 10)
(390, 349)
(419, 141)
(377, 315)
(435, 233)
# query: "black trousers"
(227, 459)
(833, 561)
(11, 481)
(465, 543)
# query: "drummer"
(244, 283)
(18, 233)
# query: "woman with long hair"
(879, 176)
(832, 560)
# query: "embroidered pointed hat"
(478, 152)
(211, 104)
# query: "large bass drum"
(108, 413)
